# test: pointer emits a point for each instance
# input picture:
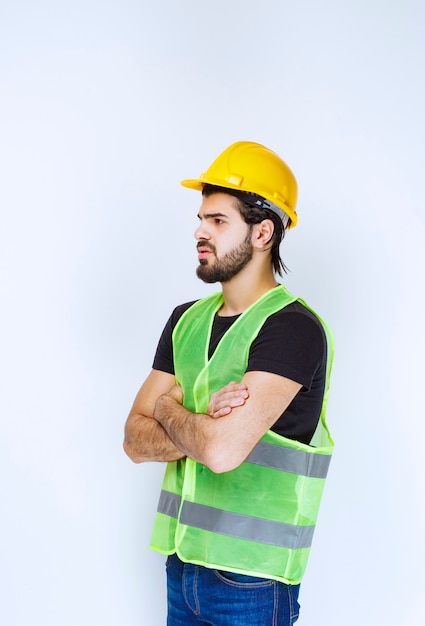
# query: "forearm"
(190, 432)
(146, 440)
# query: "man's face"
(224, 239)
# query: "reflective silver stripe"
(169, 503)
(288, 460)
(246, 527)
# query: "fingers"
(229, 397)
(220, 412)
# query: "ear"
(262, 234)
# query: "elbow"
(131, 451)
(220, 466)
(220, 460)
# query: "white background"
(105, 107)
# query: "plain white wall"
(105, 107)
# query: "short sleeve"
(291, 343)
(164, 358)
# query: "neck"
(244, 289)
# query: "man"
(235, 403)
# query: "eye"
(218, 220)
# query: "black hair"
(255, 215)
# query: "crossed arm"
(160, 428)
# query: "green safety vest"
(257, 519)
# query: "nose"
(201, 232)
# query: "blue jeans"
(199, 595)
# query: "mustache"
(205, 245)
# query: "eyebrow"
(212, 215)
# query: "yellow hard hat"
(250, 167)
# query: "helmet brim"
(192, 183)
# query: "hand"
(176, 394)
(227, 398)
(162, 405)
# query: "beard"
(227, 266)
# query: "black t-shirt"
(291, 343)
